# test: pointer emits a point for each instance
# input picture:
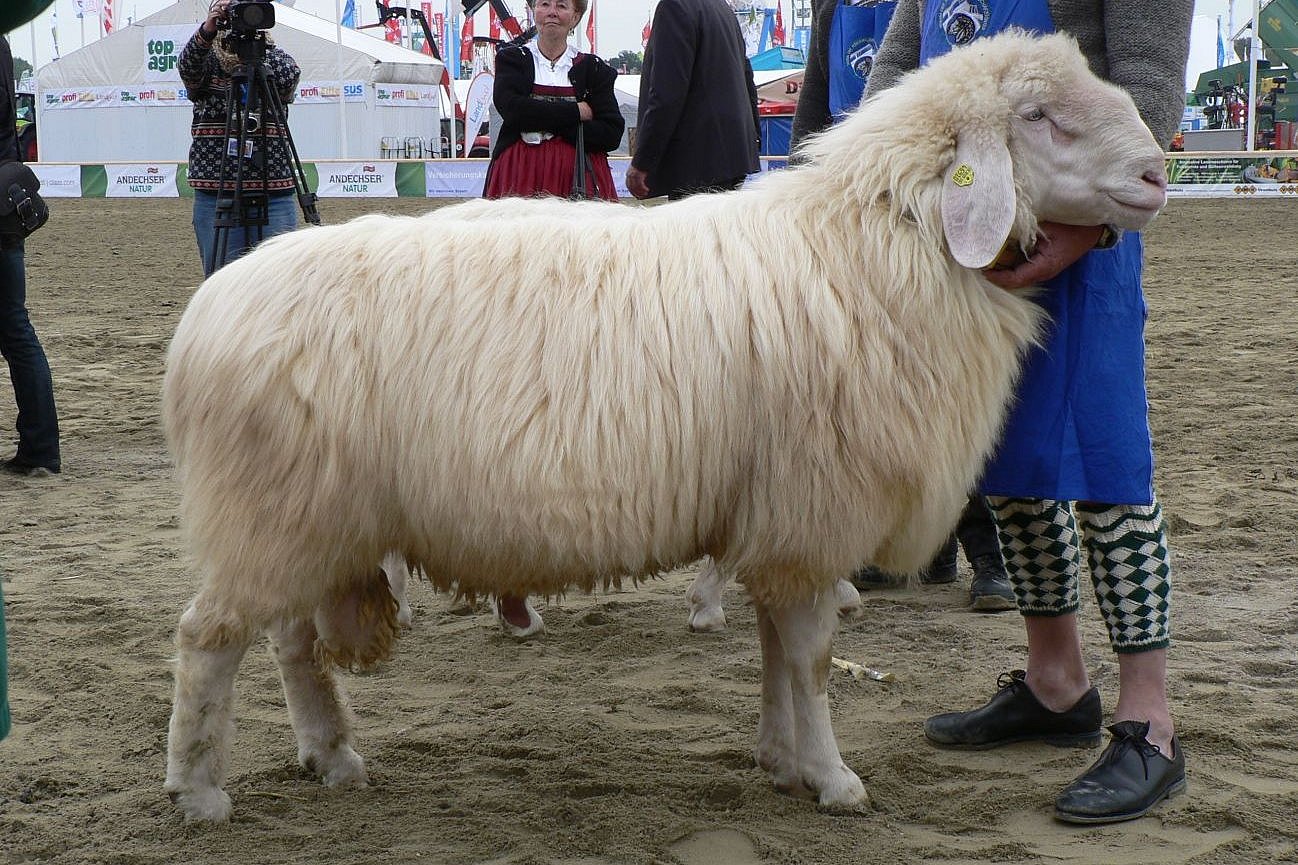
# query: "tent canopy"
(311, 41)
(120, 99)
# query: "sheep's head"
(987, 141)
(1038, 137)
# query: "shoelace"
(1010, 679)
(1126, 738)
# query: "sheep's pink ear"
(978, 199)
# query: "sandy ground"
(621, 738)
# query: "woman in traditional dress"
(545, 91)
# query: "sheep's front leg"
(202, 720)
(316, 707)
(776, 750)
(398, 574)
(806, 633)
(704, 598)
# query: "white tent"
(121, 98)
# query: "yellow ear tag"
(963, 175)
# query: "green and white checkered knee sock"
(1126, 548)
(1039, 543)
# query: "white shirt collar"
(555, 74)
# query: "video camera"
(249, 16)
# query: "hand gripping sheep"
(794, 378)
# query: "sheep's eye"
(1034, 114)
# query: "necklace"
(555, 62)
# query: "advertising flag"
(392, 29)
(106, 15)
(349, 14)
(777, 38)
(1221, 46)
(590, 28)
(493, 26)
(427, 9)
(466, 40)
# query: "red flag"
(493, 23)
(590, 28)
(106, 15)
(466, 40)
(392, 29)
(777, 35)
(427, 9)
(644, 34)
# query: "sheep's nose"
(1156, 177)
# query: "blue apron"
(1079, 426)
(854, 39)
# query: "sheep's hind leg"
(398, 574)
(316, 707)
(704, 598)
(806, 633)
(202, 718)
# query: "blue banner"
(349, 14)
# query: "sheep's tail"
(357, 626)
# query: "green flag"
(16, 12)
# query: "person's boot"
(990, 590)
(942, 569)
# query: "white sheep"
(794, 378)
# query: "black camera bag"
(22, 210)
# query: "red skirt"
(525, 170)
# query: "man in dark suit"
(697, 129)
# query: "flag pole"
(1253, 43)
(338, 76)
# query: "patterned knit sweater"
(200, 70)
(1140, 45)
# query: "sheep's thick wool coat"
(795, 379)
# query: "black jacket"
(8, 111)
(698, 105)
(591, 78)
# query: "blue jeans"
(38, 422)
(282, 211)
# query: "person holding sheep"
(547, 92)
(846, 35)
(1074, 469)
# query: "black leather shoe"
(870, 577)
(13, 467)
(1015, 715)
(990, 590)
(942, 569)
(1130, 777)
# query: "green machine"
(1223, 92)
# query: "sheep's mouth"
(1141, 208)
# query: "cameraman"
(206, 64)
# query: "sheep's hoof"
(841, 790)
(848, 599)
(707, 620)
(341, 768)
(211, 805)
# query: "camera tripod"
(253, 108)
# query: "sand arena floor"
(621, 738)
